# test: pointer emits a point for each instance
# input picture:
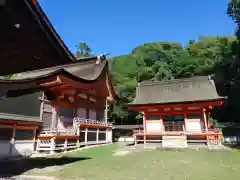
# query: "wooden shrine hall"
(54, 101)
(74, 102)
(176, 112)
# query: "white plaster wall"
(4, 148)
(24, 148)
(154, 126)
(195, 125)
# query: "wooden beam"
(172, 113)
(49, 83)
(180, 105)
(10, 121)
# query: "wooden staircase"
(174, 141)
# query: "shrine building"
(176, 112)
(53, 101)
(73, 105)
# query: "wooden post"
(65, 144)
(86, 132)
(38, 146)
(97, 135)
(144, 130)
(12, 144)
(185, 123)
(54, 118)
(52, 151)
(78, 134)
(106, 111)
(135, 140)
(206, 126)
(219, 140)
(107, 135)
(41, 107)
(34, 139)
(205, 120)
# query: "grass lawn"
(152, 165)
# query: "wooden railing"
(90, 121)
(183, 132)
(73, 130)
(70, 138)
(209, 136)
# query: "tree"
(158, 61)
(83, 50)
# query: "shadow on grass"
(130, 144)
(18, 167)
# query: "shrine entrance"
(173, 123)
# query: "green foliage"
(213, 121)
(233, 10)
(83, 50)
(158, 61)
(166, 60)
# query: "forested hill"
(166, 60)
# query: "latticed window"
(6, 134)
(22, 134)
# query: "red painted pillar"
(144, 129)
(185, 122)
(204, 115)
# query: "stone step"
(174, 141)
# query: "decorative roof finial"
(100, 57)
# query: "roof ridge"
(78, 61)
(180, 80)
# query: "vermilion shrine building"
(73, 105)
(175, 112)
(55, 101)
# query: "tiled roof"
(85, 70)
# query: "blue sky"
(117, 26)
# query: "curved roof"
(86, 70)
(193, 89)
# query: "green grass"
(153, 165)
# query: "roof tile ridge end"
(180, 80)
